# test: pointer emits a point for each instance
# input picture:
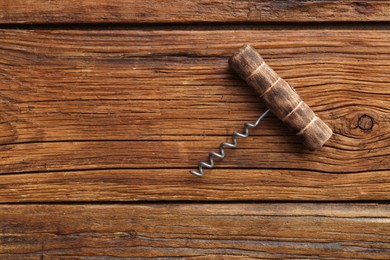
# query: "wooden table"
(106, 106)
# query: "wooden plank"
(276, 231)
(178, 184)
(187, 11)
(93, 115)
(258, 153)
(74, 100)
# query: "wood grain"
(277, 231)
(178, 184)
(123, 102)
(187, 11)
(71, 100)
(78, 103)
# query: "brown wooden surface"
(197, 231)
(178, 184)
(100, 124)
(74, 106)
(185, 11)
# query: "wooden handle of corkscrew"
(280, 97)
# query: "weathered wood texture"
(123, 113)
(186, 11)
(178, 184)
(196, 230)
(77, 104)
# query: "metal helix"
(221, 153)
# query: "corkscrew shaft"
(233, 144)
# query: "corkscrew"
(281, 99)
(233, 144)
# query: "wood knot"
(132, 233)
(362, 7)
(357, 123)
(365, 122)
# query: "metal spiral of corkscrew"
(221, 153)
